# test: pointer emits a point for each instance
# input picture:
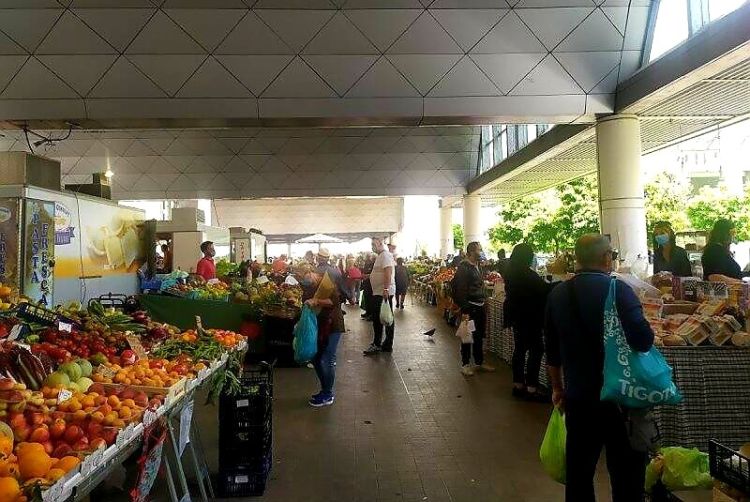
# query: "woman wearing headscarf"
(717, 259)
(668, 256)
(525, 300)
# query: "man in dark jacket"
(468, 294)
(575, 343)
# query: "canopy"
(318, 239)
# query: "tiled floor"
(406, 426)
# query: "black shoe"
(363, 316)
(519, 393)
(386, 349)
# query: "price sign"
(64, 395)
(15, 332)
(136, 346)
(105, 371)
(65, 327)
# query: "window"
(677, 20)
(500, 141)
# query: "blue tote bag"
(305, 336)
(632, 379)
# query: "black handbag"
(642, 429)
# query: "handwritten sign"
(64, 395)
(64, 327)
(135, 344)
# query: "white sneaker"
(466, 370)
(486, 368)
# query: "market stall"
(84, 389)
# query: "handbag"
(643, 431)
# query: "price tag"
(64, 395)
(136, 346)
(53, 493)
(15, 332)
(65, 327)
(105, 371)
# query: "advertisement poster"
(111, 239)
(9, 242)
(39, 250)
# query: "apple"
(40, 434)
(48, 447)
(22, 433)
(36, 418)
(127, 394)
(141, 399)
(82, 444)
(72, 434)
(94, 430)
(57, 429)
(7, 384)
(17, 420)
(109, 435)
(97, 443)
(62, 450)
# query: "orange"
(9, 468)
(9, 489)
(6, 445)
(33, 464)
(66, 464)
(113, 401)
(23, 448)
(54, 474)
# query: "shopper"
(353, 279)
(402, 283)
(323, 266)
(367, 287)
(458, 258)
(168, 257)
(668, 256)
(468, 293)
(383, 289)
(280, 264)
(718, 262)
(502, 262)
(525, 299)
(326, 301)
(206, 267)
(310, 257)
(574, 332)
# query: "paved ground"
(406, 426)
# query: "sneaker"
(310, 365)
(466, 370)
(320, 400)
(372, 349)
(486, 368)
(316, 395)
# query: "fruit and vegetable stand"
(85, 389)
(181, 312)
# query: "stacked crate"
(246, 434)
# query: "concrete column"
(623, 215)
(446, 229)
(472, 218)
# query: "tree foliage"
(712, 203)
(666, 197)
(458, 236)
(553, 221)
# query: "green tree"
(712, 203)
(458, 236)
(665, 200)
(516, 219)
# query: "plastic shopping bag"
(463, 332)
(552, 451)
(305, 336)
(386, 314)
(679, 469)
(632, 379)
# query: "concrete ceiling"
(192, 63)
(266, 162)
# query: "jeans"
(479, 316)
(527, 340)
(590, 426)
(324, 363)
(377, 301)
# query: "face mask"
(534, 263)
(482, 256)
(662, 239)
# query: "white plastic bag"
(464, 332)
(386, 314)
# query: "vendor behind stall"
(717, 259)
(668, 256)
(206, 267)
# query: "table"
(715, 385)
(181, 312)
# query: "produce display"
(68, 391)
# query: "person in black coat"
(525, 300)
(717, 259)
(668, 256)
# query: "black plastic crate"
(729, 466)
(243, 482)
(253, 453)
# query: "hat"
(324, 253)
